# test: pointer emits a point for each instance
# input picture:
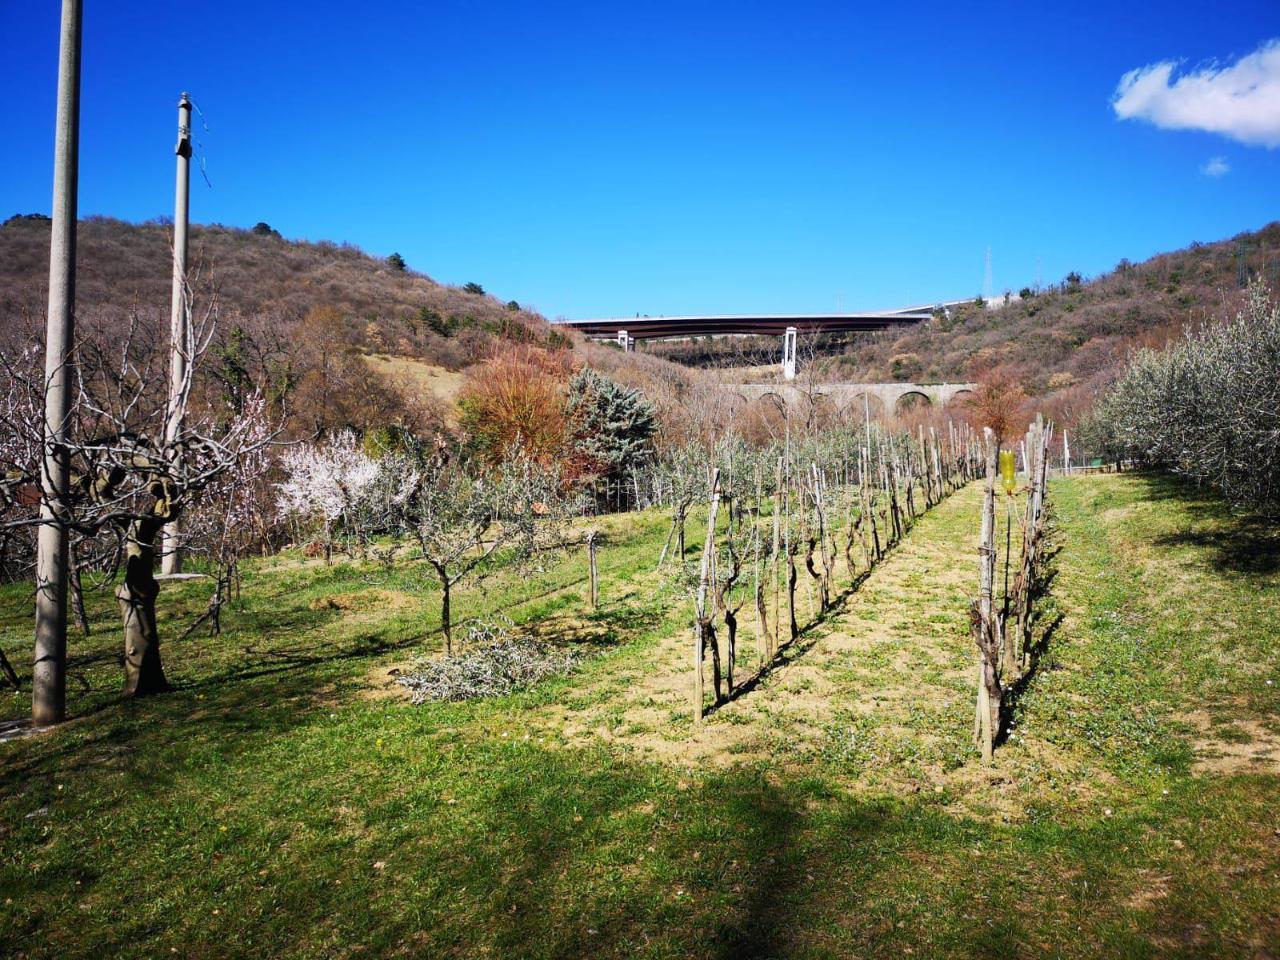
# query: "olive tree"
(681, 476)
(1207, 406)
(462, 519)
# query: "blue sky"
(593, 159)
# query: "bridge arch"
(846, 400)
(910, 400)
(864, 402)
(961, 397)
(763, 416)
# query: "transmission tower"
(988, 289)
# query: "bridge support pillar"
(789, 353)
(626, 341)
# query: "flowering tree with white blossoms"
(328, 485)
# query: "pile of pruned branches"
(495, 663)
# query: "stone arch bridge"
(889, 396)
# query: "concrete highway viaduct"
(887, 397)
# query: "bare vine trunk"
(704, 632)
(989, 692)
(731, 649)
(9, 672)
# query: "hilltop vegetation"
(296, 320)
(1061, 344)
(125, 265)
(339, 337)
(384, 338)
(1067, 341)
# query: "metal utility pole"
(49, 674)
(182, 345)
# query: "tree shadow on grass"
(1237, 543)
(1245, 545)
(1022, 684)
(1039, 636)
(266, 693)
(720, 873)
(789, 651)
(808, 635)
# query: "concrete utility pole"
(49, 674)
(182, 345)
(789, 353)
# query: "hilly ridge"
(124, 266)
(1062, 343)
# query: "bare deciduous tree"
(138, 461)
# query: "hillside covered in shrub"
(1064, 342)
(124, 265)
(299, 321)
(309, 320)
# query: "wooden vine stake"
(591, 563)
(774, 557)
(819, 538)
(982, 624)
(703, 626)
(1039, 436)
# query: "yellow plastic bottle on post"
(1008, 470)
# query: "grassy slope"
(267, 803)
(418, 376)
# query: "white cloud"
(1240, 100)
(1216, 167)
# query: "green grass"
(270, 807)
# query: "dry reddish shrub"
(517, 396)
(999, 402)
